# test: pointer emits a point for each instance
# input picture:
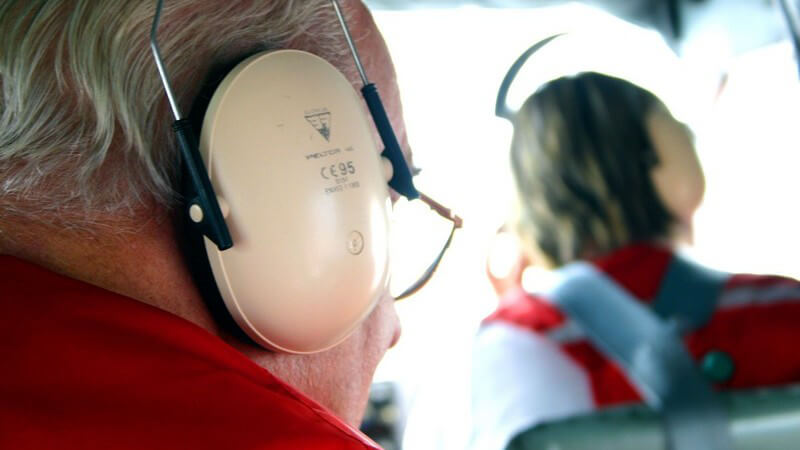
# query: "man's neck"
(139, 261)
(144, 262)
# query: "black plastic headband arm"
(501, 108)
(211, 221)
(402, 181)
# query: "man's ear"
(678, 177)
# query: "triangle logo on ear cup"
(320, 119)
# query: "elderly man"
(107, 340)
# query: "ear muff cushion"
(190, 240)
(193, 250)
(290, 152)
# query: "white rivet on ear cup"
(388, 169)
(223, 207)
(196, 213)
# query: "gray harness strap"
(688, 293)
(649, 350)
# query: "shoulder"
(748, 290)
(154, 380)
(528, 311)
(755, 318)
(520, 379)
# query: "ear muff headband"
(311, 255)
(501, 108)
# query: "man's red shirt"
(81, 367)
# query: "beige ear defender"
(677, 178)
(289, 190)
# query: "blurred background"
(725, 67)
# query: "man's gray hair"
(84, 121)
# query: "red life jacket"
(85, 368)
(755, 319)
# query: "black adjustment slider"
(203, 208)
(401, 178)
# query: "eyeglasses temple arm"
(442, 210)
(430, 271)
(457, 223)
